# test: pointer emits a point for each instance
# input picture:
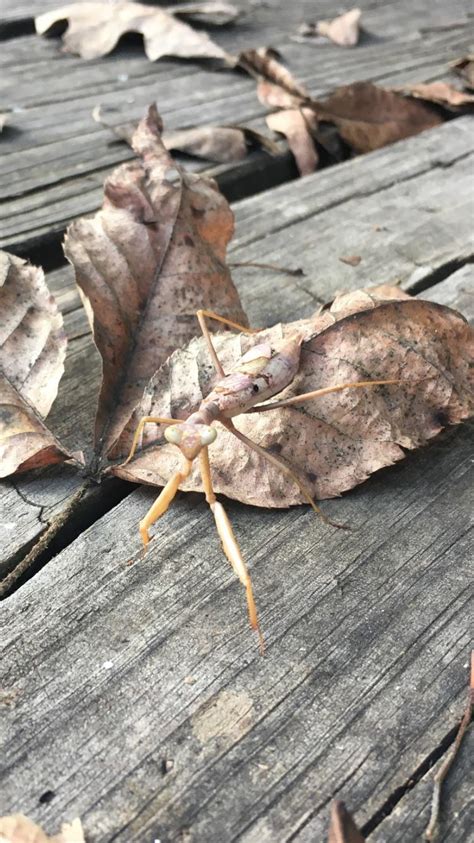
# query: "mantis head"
(190, 438)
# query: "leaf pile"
(365, 116)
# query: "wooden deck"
(133, 696)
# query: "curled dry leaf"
(351, 260)
(343, 30)
(298, 126)
(464, 68)
(17, 828)
(94, 29)
(338, 440)
(439, 92)
(145, 264)
(32, 352)
(263, 64)
(222, 144)
(342, 827)
(369, 117)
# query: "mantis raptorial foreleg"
(202, 315)
(141, 424)
(163, 501)
(283, 467)
(229, 544)
(307, 396)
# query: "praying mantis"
(260, 374)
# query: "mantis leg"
(283, 467)
(202, 315)
(162, 502)
(141, 424)
(307, 396)
(229, 544)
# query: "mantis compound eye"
(208, 435)
(173, 434)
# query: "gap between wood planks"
(412, 780)
(258, 174)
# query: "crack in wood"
(411, 781)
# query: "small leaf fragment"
(352, 260)
(16, 828)
(95, 28)
(464, 67)
(263, 64)
(32, 352)
(343, 30)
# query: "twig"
(296, 273)
(445, 766)
(52, 530)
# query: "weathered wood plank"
(116, 669)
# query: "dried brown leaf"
(464, 67)
(439, 92)
(343, 30)
(369, 117)
(298, 125)
(32, 352)
(336, 441)
(342, 827)
(352, 260)
(94, 30)
(17, 828)
(145, 263)
(263, 64)
(223, 144)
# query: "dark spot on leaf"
(441, 417)
(274, 448)
(255, 388)
(47, 797)
(188, 240)
(311, 476)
